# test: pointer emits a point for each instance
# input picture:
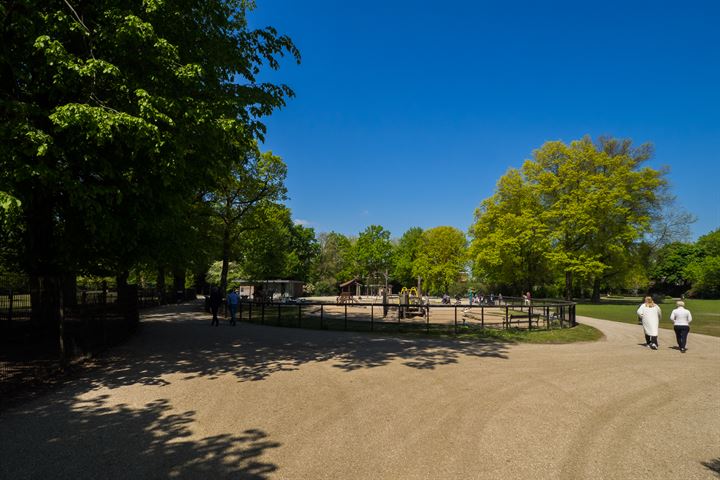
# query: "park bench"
(523, 318)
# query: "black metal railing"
(419, 316)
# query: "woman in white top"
(650, 314)
(681, 319)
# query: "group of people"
(216, 299)
(649, 314)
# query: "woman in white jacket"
(681, 319)
(650, 314)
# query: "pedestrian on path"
(215, 301)
(232, 301)
(650, 314)
(681, 318)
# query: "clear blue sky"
(408, 112)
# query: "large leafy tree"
(334, 263)
(441, 258)
(509, 239)
(274, 247)
(116, 113)
(406, 252)
(670, 273)
(588, 205)
(240, 200)
(704, 270)
(374, 252)
(597, 201)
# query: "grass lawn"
(706, 313)
(579, 333)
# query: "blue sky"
(408, 112)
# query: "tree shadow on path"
(93, 439)
(180, 340)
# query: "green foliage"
(670, 271)
(441, 257)
(576, 210)
(334, 263)
(373, 251)
(704, 270)
(406, 253)
(116, 115)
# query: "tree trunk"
(45, 295)
(225, 260)
(596, 291)
(568, 285)
(127, 300)
(179, 284)
(160, 284)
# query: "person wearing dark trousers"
(215, 302)
(650, 314)
(232, 302)
(681, 318)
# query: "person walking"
(215, 301)
(650, 314)
(681, 318)
(232, 301)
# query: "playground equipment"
(410, 303)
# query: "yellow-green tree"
(580, 207)
(441, 257)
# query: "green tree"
(406, 252)
(256, 180)
(509, 240)
(334, 263)
(441, 258)
(114, 114)
(579, 209)
(597, 201)
(669, 273)
(704, 270)
(374, 253)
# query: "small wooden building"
(351, 288)
(269, 289)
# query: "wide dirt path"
(185, 400)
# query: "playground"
(184, 400)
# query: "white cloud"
(300, 221)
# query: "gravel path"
(185, 400)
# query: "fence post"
(529, 317)
(322, 311)
(299, 316)
(507, 316)
(262, 312)
(10, 307)
(427, 318)
(279, 316)
(482, 317)
(240, 304)
(455, 307)
(345, 315)
(372, 316)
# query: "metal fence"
(510, 313)
(30, 354)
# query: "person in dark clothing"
(215, 302)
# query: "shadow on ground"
(713, 466)
(92, 439)
(182, 341)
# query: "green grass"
(706, 313)
(579, 333)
